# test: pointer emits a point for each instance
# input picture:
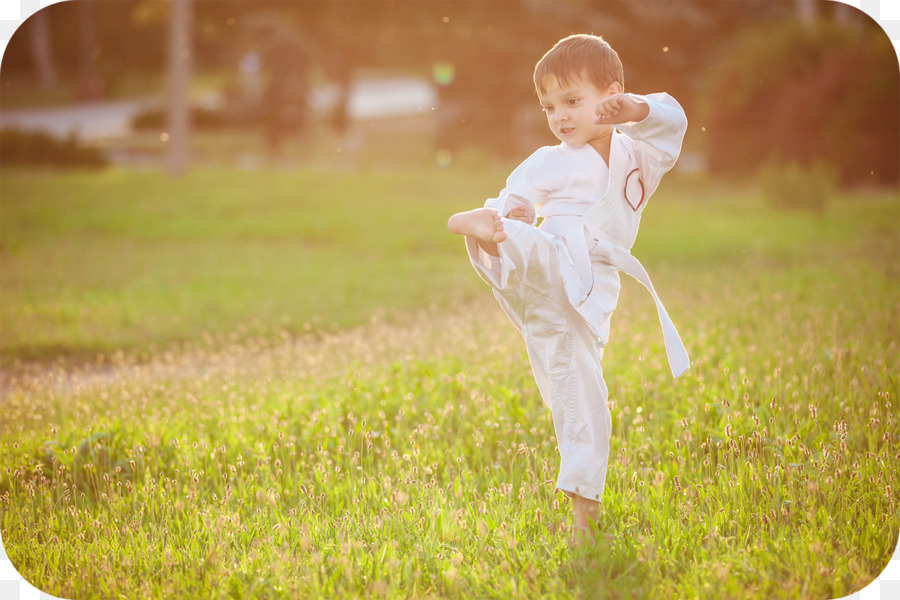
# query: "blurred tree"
(111, 41)
(90, 84)
(480, 55)
(285, 53)
(41, 50)
(808, 92)
(180, 48)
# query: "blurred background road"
(104, 119)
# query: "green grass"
(408, 454)
(95, 263)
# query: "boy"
(559, 282)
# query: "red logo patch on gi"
(634, 190)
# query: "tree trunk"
(807, 11)
(41, 51)
(180, 46)
(90, 85)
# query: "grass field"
(94, 263)
(236, 386)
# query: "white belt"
(611, 253)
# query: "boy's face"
(571, 108)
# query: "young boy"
(559, 282)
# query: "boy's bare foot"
(483, 224)
(585, 514)
(582, 538)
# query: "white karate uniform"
(559, 283)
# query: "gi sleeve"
(659, 137)
(523, 187)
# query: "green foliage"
(39, 149)
(201, 118)
(99, 262)
(807, 93)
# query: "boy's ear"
(614, 88)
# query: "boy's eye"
(548, 108)
(572, 101)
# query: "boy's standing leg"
(564, 353)
(566, 362)
(585, 514)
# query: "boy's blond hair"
(579, 55)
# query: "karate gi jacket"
(565, 186)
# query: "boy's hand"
(621, 108)
(521, 213)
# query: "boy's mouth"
(566, 130)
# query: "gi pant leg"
(529, 281)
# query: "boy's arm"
(660, 132)
(521, 197)
(512, 206)
(663, 127)
(526, 214)
(621, 108)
